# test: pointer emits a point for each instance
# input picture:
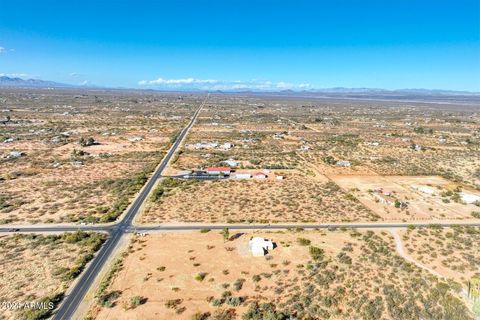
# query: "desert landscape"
(308, 275)
(240, 160)
(73, 157)
(37, 268)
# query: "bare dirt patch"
(405, 198)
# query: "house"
(243, 175)
(219, 170)
(260, 246)
(279, 177)
(230, 162)
(343, 163)
(15, 154)
(135, 139)
(260, 175)
(227, 145)
(205, 145)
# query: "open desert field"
(38, 268)
(314, 274)
(407, 198)
(80, 157)
(295, 199)
(402, 148)
(452, 252)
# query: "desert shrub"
(173, 303)
(107, 299)
(201, 316)
(316, 253)
(201, 276)
(344, 258)
(238, 284)
(303, 241)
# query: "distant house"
(343, 163)
(15, 154)
(260, 246)
(260, 175)
(135, 139)
(279, 177)
(227, 145)
(231, 162)
(243, 175)
(219, 170)
(203, 145)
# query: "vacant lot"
(333, 274)
(295, 199)
(452, 252)
(39, 268)
(80, 157)
(405, 198)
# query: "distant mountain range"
(30, 83)
(15, 82)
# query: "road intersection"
(125, 225)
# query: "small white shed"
(260, 246)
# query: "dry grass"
(295, 199)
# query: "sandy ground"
(449, 252)
(162, 268)
(294, 199)
(421, 205)
(32, 267)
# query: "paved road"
(290, 226)
(71, 302)
(187, 227)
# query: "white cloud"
(186, 81)
(17, 75)
(192, 83)
(5, 50)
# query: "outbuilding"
(260, 246)
(243, 175)
(260, 175)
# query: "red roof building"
(260, 175)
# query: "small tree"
(226, 234)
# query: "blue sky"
(263, 44)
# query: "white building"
(227, 145)
(469, 197)
(15, 154)
(231, 163)
(243, 175)
(135, 139)
(260, 246)
(343, 163)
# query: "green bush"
(316, 253)
(303, 241)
